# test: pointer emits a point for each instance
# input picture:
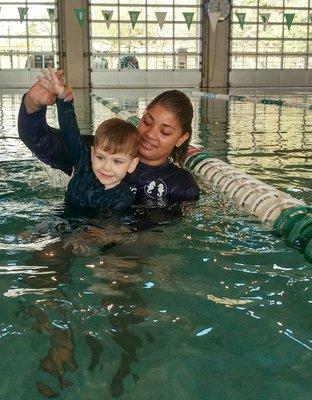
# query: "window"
(158, 37)
(271, 45)
(28, 34)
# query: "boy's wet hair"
(115, 135)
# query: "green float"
(196, 158)
(301, 233)
(308, 251)
(288, 218)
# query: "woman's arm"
(43, 140)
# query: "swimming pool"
(204, 306)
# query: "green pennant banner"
(241, 19)
(51, 12)
(188, 16)
(289, 19)
(107, 15)
(265, 19)
(134, 15)
(80, 15)
(22, 13)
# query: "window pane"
(295, 46)
(293, 62)
(244, 2)
(36, 11)
(131, 61)
(5, 62)
(96, 13)
(250, 17)
(41, 28)
(129, 2)
(107, 45)
(160, 62)
(125, 16)
(19, 61)
(271, 3)
(155, 31)
(99, 61)
(12, 28)
(179, 16)
(243, 62)
(271, 31)
(296, 3)
(270, 46)
(160, 46)
(296, 31)
(269, 62)
(243, 46)
(13, 44)
(183, 60)
(42, 44)
(126, 30)
(102, 1)
(133, 46)
(249, 31)
(188, 45)
(151, 16)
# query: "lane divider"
(290, 218)
(253, 99)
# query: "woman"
(165, 129)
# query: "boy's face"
(109, 168)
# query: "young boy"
(96, 183)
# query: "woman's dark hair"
(181, 107)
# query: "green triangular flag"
(134, 15)
(289, 19)
(265, 19)
(188, 16)
(51, 12)
(241, 19)
(80, 15)
(22, 13)
(107, 15)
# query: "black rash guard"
(84, 189)
(156, 186)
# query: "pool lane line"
(289, 216)
(231, 97)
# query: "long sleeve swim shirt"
(84, 189)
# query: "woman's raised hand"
(54, 83)
(42, 93)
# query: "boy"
(96, 183)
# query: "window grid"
(20, 51)
(153, 52)
(298, 58)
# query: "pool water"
(205, 305)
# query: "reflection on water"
(189, 307)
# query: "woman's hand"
(54, 83)
(41, 95)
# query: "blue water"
(201, 306)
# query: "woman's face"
(160, 132)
